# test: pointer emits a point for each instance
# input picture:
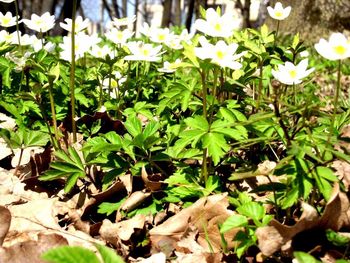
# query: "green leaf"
(133, 125)
(108, 255)
(326, 173)
(198, 123)
(233, 222)
(252, 210)
(303, 257)
(71, 181)
(109, 208)
(216, 145)
(337, 239)
(67, 254)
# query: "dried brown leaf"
(204, 215)
(30, 251)
(5, 219)
(150, 184)
(113, 232)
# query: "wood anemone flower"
(290, 74)
(336, 48)
(279, 12)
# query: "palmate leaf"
(73, 254)
(216, 145)
(70, 165)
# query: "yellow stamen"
(278, 14)
(293, 74)
(340, 50)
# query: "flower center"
(278, 14)
(293, 73)
(217, 27)
(6, 20)
(145, 52)
(161, 37)
(220, 54)
(340, 50)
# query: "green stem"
(17, 27)
(278, 27)
(204, 172)
(53, 113)
(260, 87)
(72, 73)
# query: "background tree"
(314, 18)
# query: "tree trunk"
(190, 12)
(166, 18)
(177, 13)
(314, 19)
(125, 8)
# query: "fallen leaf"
(113, 232)
(204, 215)
(30, 251)
(5, 219)
(335, 216)
(150, 184)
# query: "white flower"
(160, 35)
(27, 153)
(146, 29)
(7, 20)
(80, 24)
(40, 23)
(278, 12)
(8, 38)
(101, 52)
(290, 74)
(185, 36)
(7, 1)
(304, 54)
(170, 67)
(123, 22)
(174, 42)
(119, 36)
(143, 52)
(116, 82)
(20, 61)
(221, 54)
(216, 25)
(338, 47)
(82, 44)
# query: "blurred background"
(312, 18)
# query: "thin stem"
(335, 104)
(260, 83)
(72, 73)
(279, 118)
(278, 27)
(204, 171)
(17, 27)
(53, 113)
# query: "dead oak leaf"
(335, 216)
(205, 215)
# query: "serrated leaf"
(75, 158)
(151, 128)
(70, 254)
(233, 222)
(133, 125)
(303, 257)
(108, 255)
(197, 122)
(71, 181)
(216, 145)
(252, 210)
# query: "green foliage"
(75, 254)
